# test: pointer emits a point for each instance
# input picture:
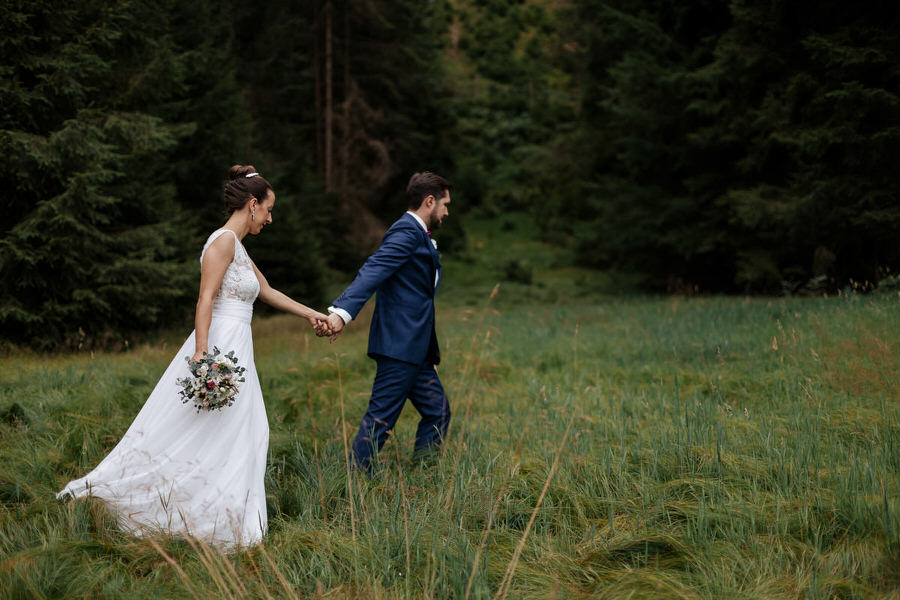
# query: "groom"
(405, 271)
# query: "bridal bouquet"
(214, 382)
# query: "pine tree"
(90, 251)
(740, 149)
(347, 173)
(510, 102)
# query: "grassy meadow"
(601, 446)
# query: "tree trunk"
(317, 84)
(329, 101)
(346, 134)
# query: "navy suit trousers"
(395, 381)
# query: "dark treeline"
(120, 119)
(739, 146)
(719, 146)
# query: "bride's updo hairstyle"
(242, 184)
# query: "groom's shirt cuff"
(343, 314)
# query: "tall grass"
(600, 447)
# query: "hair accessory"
(249, 175)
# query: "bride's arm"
(215, 262)
(274, 298)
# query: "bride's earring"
(252, 214)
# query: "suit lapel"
(435, 257)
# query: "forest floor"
(602, 445)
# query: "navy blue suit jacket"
(402, 272)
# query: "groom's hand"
(336, 324)
(321, 326)
(319, 322)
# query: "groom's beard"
(435, 221)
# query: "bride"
(201, 474)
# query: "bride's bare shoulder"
(219, 245)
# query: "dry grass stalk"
(511, 569)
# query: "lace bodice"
(240, 282)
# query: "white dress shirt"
(343, 314)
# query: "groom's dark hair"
(425, 184)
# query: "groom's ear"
(428, 201)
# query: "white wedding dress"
(181, 471)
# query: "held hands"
(326, 325)
(331, 327)
(336, 324)
(319, 322)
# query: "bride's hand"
(319, 322)
(197, 356)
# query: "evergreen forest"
(696, 146)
